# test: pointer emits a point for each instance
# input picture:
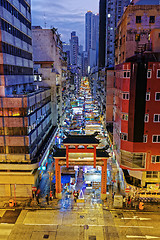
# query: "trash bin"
(11, 203)
(118, 201)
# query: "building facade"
(92, 38)
(136, 119)
(110, 14)
(133, 33)
(136, 96)
(49, 62)
(74, 43)
(25, 113)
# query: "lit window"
(109, 15)
(147, 96)
(137, 37)
(156, 117)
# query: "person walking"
(47, 199)
(37, 198)
(124, 201)
(129, 201)
(50, 196)
(75, 196)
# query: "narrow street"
(82, 117)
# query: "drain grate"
(92, 237)
(46, 236)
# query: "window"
(147, 96)
(15, 13)
(157, 96)
(124, 136)
(156, 118)
(146, 118)
(145, 138)
(137, 37)
(15, 32)
(149, 73)
(155, 159)
(126, 74)
(151, 174)
(125, 117)
(125, 96)
(152, 19)
(156, 138)
(158, 73)
(138, 19)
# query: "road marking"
(90, 225)
(10, 224)
(144, 237)
(136, 226)
(137, 218)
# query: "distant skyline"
(66, 15)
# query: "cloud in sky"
(66, 15)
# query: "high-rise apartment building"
(74, 48)
(92, 37)
(25, 114)
(110, 14)
(88, 30)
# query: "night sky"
(66, 15)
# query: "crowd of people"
(133, 202)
